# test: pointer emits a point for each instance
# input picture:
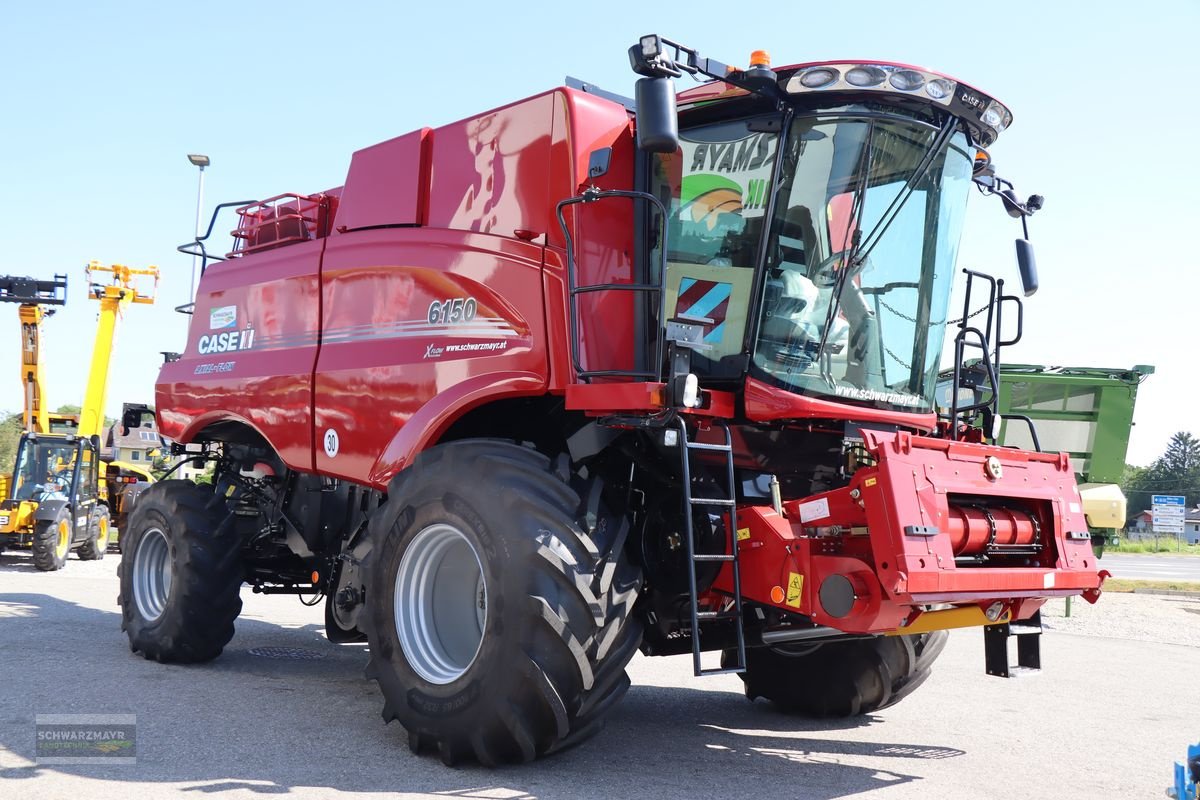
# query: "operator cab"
(813, 218)
(47, 468)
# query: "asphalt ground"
(1105, 719)
(1156, 567)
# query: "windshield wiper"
(935, 151)
(861, 247)
(858, 204)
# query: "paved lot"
(1106, 718)
(1152, 567)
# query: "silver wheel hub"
(152, 574)
(440, 606)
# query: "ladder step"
(720, 448)
(711, 501)
(720, 671)
(713, 557)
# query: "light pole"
(201, 162)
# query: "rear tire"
(529, 561)
(181, 574)
(841, 679)
(52, 541)
(98, 534)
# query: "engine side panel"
(250, 352)
(414, 317)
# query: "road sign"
(1167, 512)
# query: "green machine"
(1086, 412)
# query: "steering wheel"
(825, 274)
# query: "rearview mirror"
(131, 416)
(657, 117)
(1027, 264)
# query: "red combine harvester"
(582, 375)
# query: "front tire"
(52, 541)
(181, 574)
(97, 542)
(500, 604)
(841, 679)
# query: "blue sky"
(104, 100)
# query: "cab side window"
(715, 188)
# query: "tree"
(1176, 471)
(11, 426)
(1182, 458)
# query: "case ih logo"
(705, 299)
(225, 342)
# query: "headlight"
(996, 116)
(939, 88)
(865, 76)
(907, 80)
(821, 76)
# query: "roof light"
(985, 117)
(996, 116)
(865, 76)
(818, 77)
(650, 46)
(760, 58)
(939, 88)
(907, 80)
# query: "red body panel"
(388, 182)
(766, 403)
(275, 294)
(382, 361)
(345, 338)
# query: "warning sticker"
(869, 482)
(814, 509)
(795, 586)
(743, 534)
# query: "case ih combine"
(581, 375)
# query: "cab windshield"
(860, 257)
(859, 249)
(44, 466)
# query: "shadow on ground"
(268, 725)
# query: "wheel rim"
(152, 574)
(64, 539)
(440, 604)
(102, 533)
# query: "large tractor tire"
(500, 599)
(841, 679)
(52, 541)
(97, 542)
(181, 574)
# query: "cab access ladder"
(728, 506)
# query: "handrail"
(590, 195)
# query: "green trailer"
(1086, 412)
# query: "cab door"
(85, 491)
